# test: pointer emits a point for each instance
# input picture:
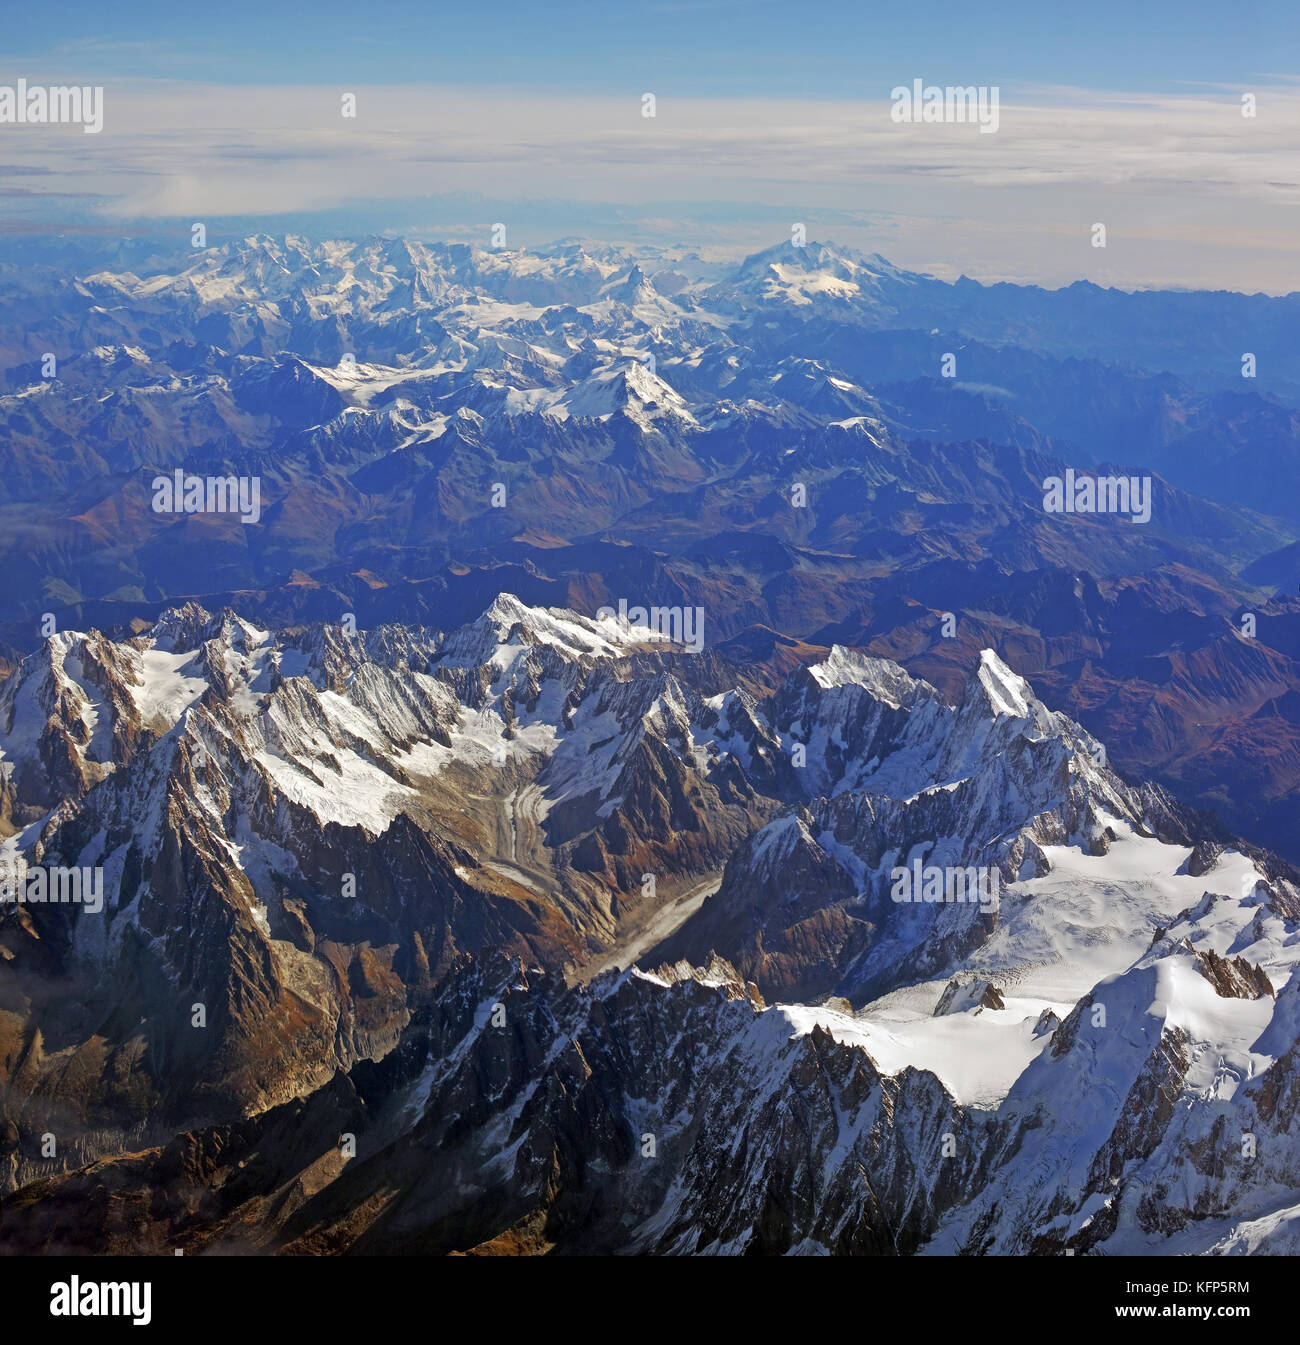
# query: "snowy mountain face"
(590, 947)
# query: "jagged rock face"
(520, 1116)
(807, 904)
(1234, 977)
(585, 1121)
(68, 718)
(346, 877)
(297, 833)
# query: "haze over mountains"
(378, 783)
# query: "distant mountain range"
(432, 425)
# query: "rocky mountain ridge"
(379, 860)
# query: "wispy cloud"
(1185, 177)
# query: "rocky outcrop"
(964, 993)
(1233, 978)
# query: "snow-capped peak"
(885, 680)
(628, 387)
(510, 624)
(1006, 692)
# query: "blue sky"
(768, 113)
(762, 48)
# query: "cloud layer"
(1190, 190)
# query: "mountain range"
(431, 425)
(449, 900)
(575, 956)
